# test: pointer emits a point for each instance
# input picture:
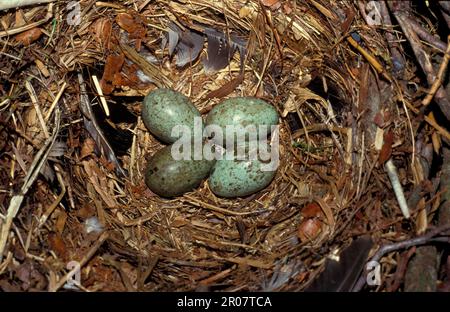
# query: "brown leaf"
(29, 36)
(132, 24)
(61, 222)
(345, 26)
(226, 88)
(57, 244)
(85, 211)
(273, 4)
(386, 150)
(101, 30)
(179, 222)
(379, 120)
(87, 148)
(311, 210)
(113, 66)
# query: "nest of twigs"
(73, 148)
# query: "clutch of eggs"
(163, 109)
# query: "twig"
(397, 58)
(438, 81)
(38, 161)
(148, 68)
(82, 262)
(424, 34)
(420, 240)
(33, 97)
(424, 61)
(5, 5)
(55, 101)
(17, 30)
(100, 94)
(55, 204)
(397, 187)
(370, 58)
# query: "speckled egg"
(232, 177)
(163, 109)
(242, 112)
(169, 177)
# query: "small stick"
(55, 204)
(20, 29)
(438, 81)
(33, 97)
(33, 171)
(55, 101)
(371, 59)
(419, 240)
(397, 187)
(5, 5)
(100, 94)
(82, 262)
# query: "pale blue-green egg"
(169, 176)
(232, 177)
(236, 114)
(163, 109)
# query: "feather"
(189, 47)
(174, 37)
(187, 44)
(340, 276)
(91, 125)
(221, 50)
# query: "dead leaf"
(86, 211)
(273, 4)
(61, 221)
(57, 244)
(386, 150)
(113, 66)
(87, 148)
(287, 8)
(20, 19)
(226, 88)
(311, 210)
(132, 24)
(29, 36)
(379, 120)
(179, 222)
(101, 30)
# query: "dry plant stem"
(391, 40)
(55, 101)
(82, 262)
(17, 30)
(438, 81)
(362, 10)
(33, 97)
(148, 68)
(55, 204)
(424, 34)
(397, 187)
(9, 4)
(447, 18)
(201, 204)
(424, 61)
(420, 240)
(370, 58)
(35, 167)
(100, 94)
(445, 5)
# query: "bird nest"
(74, 147)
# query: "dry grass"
(300, 59)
